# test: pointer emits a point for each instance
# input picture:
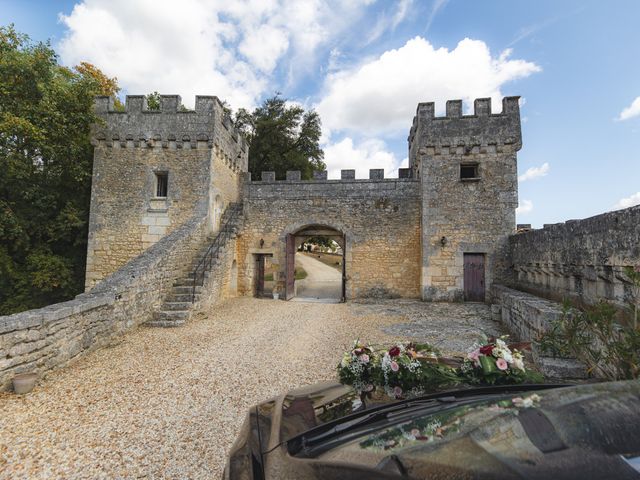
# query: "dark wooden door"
(291, 267)
(474, 277)
(260, 276)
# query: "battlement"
(375, 174)
(457, 130)
(170, 126)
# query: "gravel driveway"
(322, 280)
(167, 403)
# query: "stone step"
(185, 289)
(165, 323)
(187, 281)
(172, 315)
(181, 297)
(181, 306)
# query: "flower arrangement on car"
(399, 369)
(493, 361)
(407, 369)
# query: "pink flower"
(502, 364)
(475, 356)
(394, 366)
(364, 358)
(397, 391)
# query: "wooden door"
(474, 277)
(290, 267)
(260, 276)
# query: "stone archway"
(297, 238)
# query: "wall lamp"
(443, 241)
(261, 242)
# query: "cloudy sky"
(364, 66)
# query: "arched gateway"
(295, 240)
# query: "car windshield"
(586, 431)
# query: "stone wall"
(199, 150)
(43, 339)
(526, 316)
(464, 215)
(379, 218)
(581, 260)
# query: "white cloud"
(225, 48)
(631, 111)
(524, 207)
(435, 9)
(367, 154)
(534, 172)
(388, 21)
(380, 96)
(628, 202)
(264, 46)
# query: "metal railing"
(208, 258)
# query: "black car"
(330, 431)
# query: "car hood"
(315, 405)
(586, 431)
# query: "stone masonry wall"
(464, 215)
(47, 338)
(581, 260)
(200, 151)
(380, 218)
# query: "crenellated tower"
(154, 170)
(467, 165)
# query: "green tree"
(153, 101)
(282, 137)
(46, 111)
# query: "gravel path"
(167, 403)
(322, 280)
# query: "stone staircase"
(187, 289)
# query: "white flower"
(518, 363)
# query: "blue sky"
(365, 65)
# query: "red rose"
(486, 350)
(394, 352)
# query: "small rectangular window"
(469, 171)
(162, 184)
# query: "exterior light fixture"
(443, 241)
(261, 242)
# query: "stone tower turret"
(154, 170)
(467, 165)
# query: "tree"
(153, 101)
(282, 137)
(46, 111)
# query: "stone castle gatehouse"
(415, 236)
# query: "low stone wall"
(525, 316)
(581, 260)
(43, 339)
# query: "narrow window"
(469, 171)
(162, 184)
